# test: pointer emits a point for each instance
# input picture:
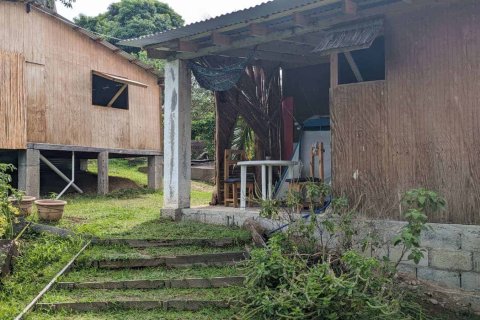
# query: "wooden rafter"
(118, 94)
(258, 30)
(220, 39)
(299, 20)
(353, 66)
(350, 7)
(314, 26)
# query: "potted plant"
(23, 203)
(50, 209)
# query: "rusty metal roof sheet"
(242, 16)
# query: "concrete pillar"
(102, 178)
(155, 172)
(83, 164)
(29, 172)
(177, 139)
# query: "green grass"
(160, 273)
(124, 214)
(41, 258)
(135, 213)
(206, 314)
(90, 295)
(122, 252)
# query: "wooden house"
(397, 78)
(399, 82)
(64, 90)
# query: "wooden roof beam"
(314, 26)
(350, 7)
(300, 20)
(220, 39)
(187, 46)
(258, 30)
(158, 54)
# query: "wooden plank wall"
(68, 58)
(420, 128)
(13, 133)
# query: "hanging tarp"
(218, 76)
(349, 38)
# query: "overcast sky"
(190, 10)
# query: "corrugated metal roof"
(98, 39)
(243, 16)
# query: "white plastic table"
(264, 164)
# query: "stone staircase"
(149, 279)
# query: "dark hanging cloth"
(218, 74)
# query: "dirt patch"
(444, 303)
(88, 183)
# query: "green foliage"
(417, 203)
(8, 212)
(203, 117)
(282, 284)
(269, 209)
(131, 19)
(244, 138)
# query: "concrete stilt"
(177, 139)
(29, 172)
(102, 178)
(155, 172)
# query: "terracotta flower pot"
(50, 210)
(25, 206)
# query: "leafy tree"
(130, 19)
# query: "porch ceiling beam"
(353, 66)
(272, 17)
(277, 56)
(159, 54)
(287, 48)
(258, 30)
(220, 39)
(350, 7)
(187, 46)
(299, 20)
(318, 25)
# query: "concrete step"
(217, 282)
(208, 259)
(176, 305)
(151, 243)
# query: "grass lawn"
(133, 213)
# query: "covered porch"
(277, 66)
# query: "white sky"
(190, 10)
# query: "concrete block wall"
(451, 257)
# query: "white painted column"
(177, 139)
(243, 187)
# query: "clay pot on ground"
(25, 205)
(50, 210)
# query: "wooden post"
(333, 70)
(155, 172)
(83, 164)
(177, 139)
(29, 172)
(102, 178)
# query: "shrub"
(311, 270)
(8, 212)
